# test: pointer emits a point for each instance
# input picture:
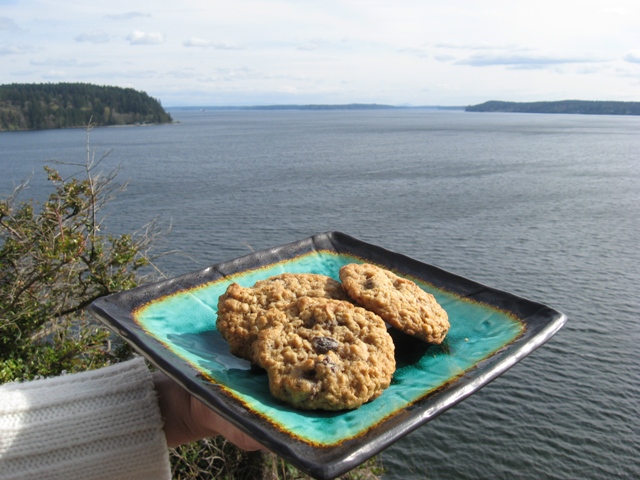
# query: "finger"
(236, 436)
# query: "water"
(544, 206)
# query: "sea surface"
(543, 206)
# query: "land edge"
(47, 106)
(584, 107)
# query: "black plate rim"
(329, 462)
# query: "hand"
(187, 419)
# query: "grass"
(219, 459)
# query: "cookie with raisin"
(399, 301)
(325, 354)
(241, 310)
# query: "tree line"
(63, 105)
(585, 107)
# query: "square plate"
(173, 324)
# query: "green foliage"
(48, 105)
(54, 261)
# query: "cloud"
(444, 58)
(198, 42)
(218, 45)
(15, 49)
(8, 25)
(222, 45)
(54, 74)
(64, 62)
(125, 73)
(145, 38)
(97, 36)
(633, 57)
(149, 73)
(521, 61)
(308, 45)
(183, 73)
(128, 16)
(224, 74)
(418, 52)
(469, 46)
(446, 52)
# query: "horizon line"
(320, 106)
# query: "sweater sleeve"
(101, 424)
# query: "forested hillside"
(62, 105)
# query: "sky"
(267, 52)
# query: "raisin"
(370, 283)
(324, 344)
(310, 321)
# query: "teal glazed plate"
(173, 324)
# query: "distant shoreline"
(349, 106)
(581, 107)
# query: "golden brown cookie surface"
(325, 354)
(400, 302)
(241, 310)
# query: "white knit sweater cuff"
(101, 424)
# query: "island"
(66, 105)
(585, 107)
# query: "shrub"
(54, 261)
